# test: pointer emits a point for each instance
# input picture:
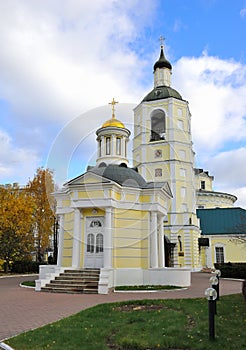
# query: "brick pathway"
(22, 309)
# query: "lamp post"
(211, 295)
(55, 239)
(214, 284)
(218, 274)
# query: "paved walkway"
(22, 309)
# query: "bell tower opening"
(158, 125)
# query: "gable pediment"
(88, 178)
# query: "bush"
(232, 270)
(244, 289)
(25, 266)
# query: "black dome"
(162, 62)
(124, 176)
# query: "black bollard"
(211, 303)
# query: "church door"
(94, 242)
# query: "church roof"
(124, 176)
(120, 174)
(217, 221)
(162, 92)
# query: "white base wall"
(156, 276)
(46, 274)
(110, 278)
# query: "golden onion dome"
(113, 122)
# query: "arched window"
(158, 125)
(99, 243)
(118, 146)
(96, 223)
(90, 243)
(108, 145)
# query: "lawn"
(141, 325)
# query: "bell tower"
(162, 151)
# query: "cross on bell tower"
(162, 39)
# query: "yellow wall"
(130, 239)
(233, 252)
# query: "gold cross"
(113, 103)
(161, 39)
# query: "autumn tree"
(41, 188)
(16, 224)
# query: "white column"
(76, 239)
(60, 240)
(108, 238)
(161, 241)
(154, 241)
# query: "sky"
(62, 62)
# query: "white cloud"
(60, 58)
(229, 167)
(215, 89)
(65, 57)
(243, 13)
(16, 162)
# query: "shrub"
(232, 270)
(244, 289)
(25, 266)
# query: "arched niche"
(158, 125)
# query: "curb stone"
(5, 346)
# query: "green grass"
(146, 287)
(140, 325)
(28, 283)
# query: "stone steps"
(83, 281)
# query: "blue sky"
(62, 61)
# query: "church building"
(139, 225)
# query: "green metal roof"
(219, 221)
(161, 92)
(121, 174)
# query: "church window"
(181, 124)
(158, 172)
(182, 172)
(107, 145)
(158, 125)
(99, 243)
(184, 207)
(126, 148)
(203, 185)
(90, 243)
(118, 145)
(183, 192)
(219, 255)
(179, 112)
(182, 154)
